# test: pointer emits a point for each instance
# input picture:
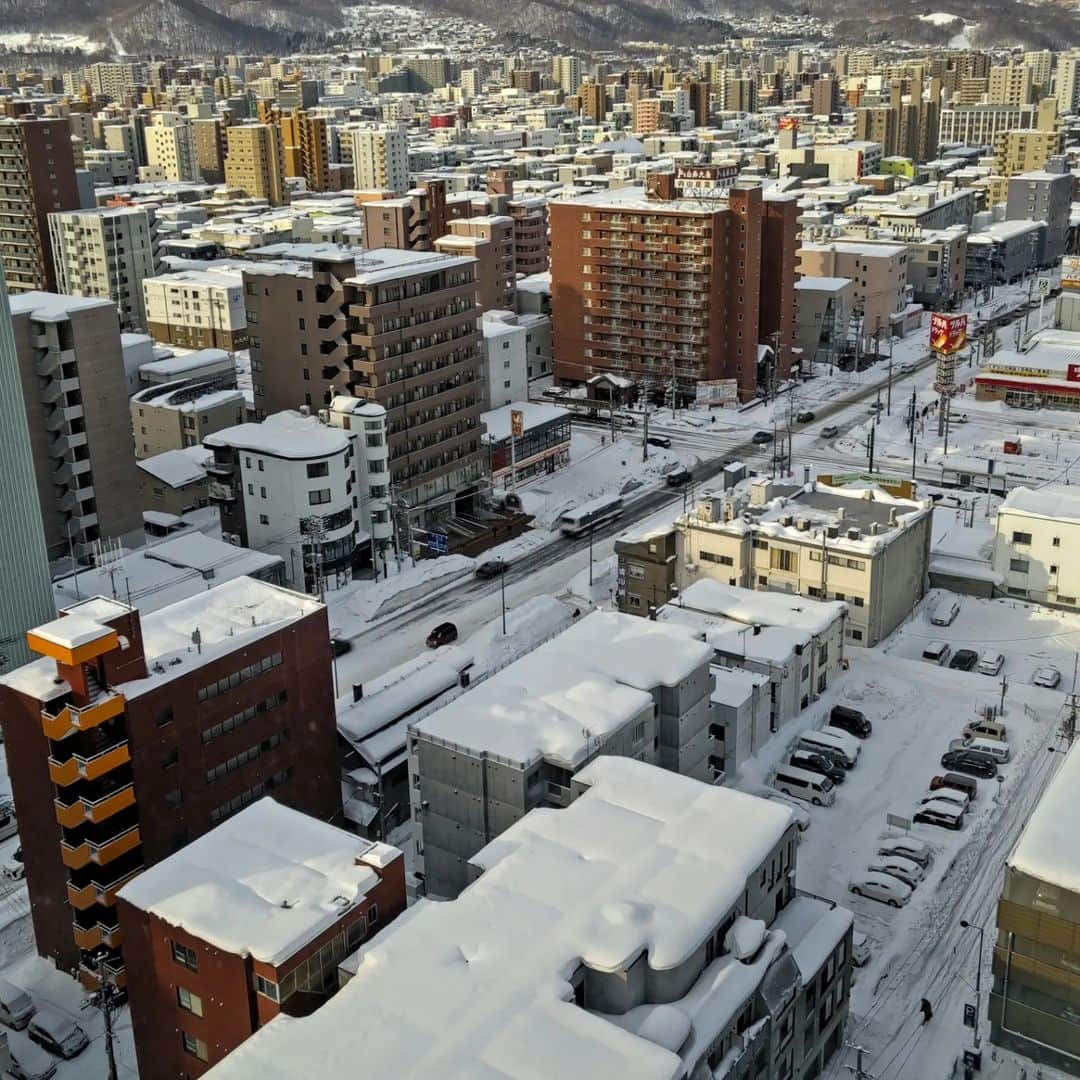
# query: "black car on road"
(970, 763)
(964, 660)
(443, 634)
(491, 569)
(762, 437)
(804, 417)
(659, 440)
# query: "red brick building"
(247, 922)
(132, 737)
(644, 282)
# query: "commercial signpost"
(517, 429)
(948, 336)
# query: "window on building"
(319, 497)
(164, 716)
(1021, 538)
(192, 1003)
(318, 468)
(1019, 566)
(193, 1046)
(373, 915)
(784, 559)
(264, 519)
(184, 956)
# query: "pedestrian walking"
(927, 1010)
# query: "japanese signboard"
(789, 123)
(517, 423)
(704, 179)
(948, 333)
(1070, 273)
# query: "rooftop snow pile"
(479, 986)
(583, 684)
(263, 883)
(1052, 501)
(753, 608)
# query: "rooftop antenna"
(196, 639)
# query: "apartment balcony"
(60, 418)
(72, 718)
(113, 972)
(98, 892)
(77, 767)
(220, 468)
(93, 937)
(221, 492)
(68, 471)
(81, 810)
(101, 853)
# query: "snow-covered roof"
(534, 414)
(373, 712)
(72, 631)
(263, 883)
(177, 468)
(749, 606)
(479, 987)
(286, 434)
(389, 264)
(583, 684)
(823, 284)
(54, 307)
(1055, 501)
(813, 928)
(179, 364)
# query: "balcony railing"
(113, 972)
(76, 856)
(72, 718)
(78, 767)
(73, 814)
(82, 897)
(93, 937)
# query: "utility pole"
(888, 391)
(870, 446)
(857, 1069)
(502, 592)
(1068, 728)
(645, 434)
(104, 998)
(590, 560)
(914, 447)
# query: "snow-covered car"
(1046, 676)
(909, 847)
(991, 663)
(830, 431)
(16, 1005)
(942, 813)
(881, 887)
(860, 949)
(29, 1062)
(949, 795)
(907, 870)
(802, 818)
(59, 1034)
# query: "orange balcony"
(77, 856)
(91, 937)
(82, 898)
(114, 973)
(76, 767)
(96, 893)
(72, 814)
(73, 642)
(71, 718)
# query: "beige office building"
(180, 414)
(380, 158)
(1025, 150)
(254, 162)
(170, 148)
(496, 276)
(1010, 84)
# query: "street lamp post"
(978, 974)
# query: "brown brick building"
(644, 283)
(246, 923)
(132, 737)
(398, 328)
(37, 178)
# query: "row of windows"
(839, 560)
(245, 798)
(239, 719)
(230, 682)
(723, 560)
(238, 761)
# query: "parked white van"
(832, 738)
(16, 1005)
(937, 652)
(997, 749)
(802, 784)
(945, 611)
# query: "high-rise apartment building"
(254, 162)
(825, 96)
(132, 736)
(593, 101)
(197, 309)
(652, 286)
(26, 598)
(412, 222)
(530, 217)
(75, 395)
(170, 147)
(306, 149)
(380, 159)
(1025, 150)
(975, 125)
(399, 329)
(115, 80)
(209, 136)
(37, 178)
(496, 284)
(566, 71)
(107, 253)
(1010, 84)
(1041, 64)
(1068, 82)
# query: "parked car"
(817, 741)
(16, 1005)
(490, 569)
(876, 406)
(13, 865)
(964, 660)
(945, 611)
(967, 784)
(29, 1062)
(804, 417)
(659, 440)
(986, 729)
(57, 1033)
(991, 663)
(9, 826)
(909, 847)
(1046, 676)
(888, 890)
(443, 634)
(907, 870)
(802, 818)
(852, 721)
(762, 437)
(908, 368)
(965, 761)
(340, 646)
(997, 750)
(949, 794)
(860, 949)
(941, 813)
(819, 763)
(678, 476)
(830, 431)
(937, 652)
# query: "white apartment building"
(170, 148)
(106, 253)
(314, 490)
(862, 546)
(506, 371)
(380, 158)
(197, 309)
(1037, 545)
